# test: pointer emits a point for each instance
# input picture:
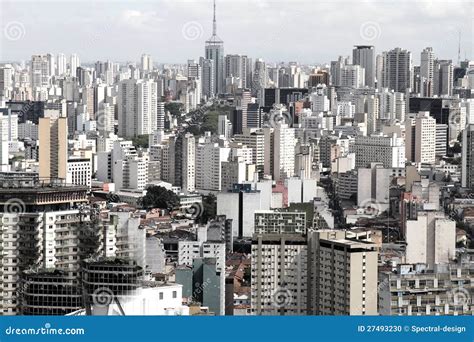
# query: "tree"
(175, 108)
(159, 197)
(140, 141)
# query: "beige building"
(420, 141)
(342, 274)
(53, 145)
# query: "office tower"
(6, 80)
(427, 72)
(379, 60)
(336, 67)
(45, 221)
(342, 274)
(236, 66)
(431, 238)
(283, 152)
(279, 274)
(74, 63)
(318, 77)
(214, 50)
(224, 126)
(467, 173)
(40, 70)
(61, 64)
(443, 77)
(414, 290)
(420, 137)
(397, 70)
(352, 76)
(146, 63)
(208, 77)
(386, 149)
(137, 107)
(53, 146)
(105, 118)
(364, 55)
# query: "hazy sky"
(276, 30)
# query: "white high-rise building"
(74, 63)
(420, 137)
(61, 64)
(137, 107)
(146, 63)
(40, 70)
(209, 158)
(283, 152)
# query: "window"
(175, 294)
(161, 295)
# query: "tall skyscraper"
(74, 63)
(52, 133)
(61, 64)
(41, 70)
(214, 50)
(397, 69)
(467, 176)
(364, 55)
(426, 71)
(146, 63)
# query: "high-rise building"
(279, 274)
(146, 63)
(364, 55)
(214, 50)
(397, 70)
(467, 173)
(209, 159)
(208, 77)
(443, 77)
(388, 150)
(352, 76)
(53, 146)
(427, 72)
(236, 66)
(137, 107)
(74, 63)
(284, 145)
(41, 69)
(342, 274)
(420, 134)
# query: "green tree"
(175, 108)
(140, 141)
(159, 197)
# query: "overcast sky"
(307, 31)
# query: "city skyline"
(185, 25)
